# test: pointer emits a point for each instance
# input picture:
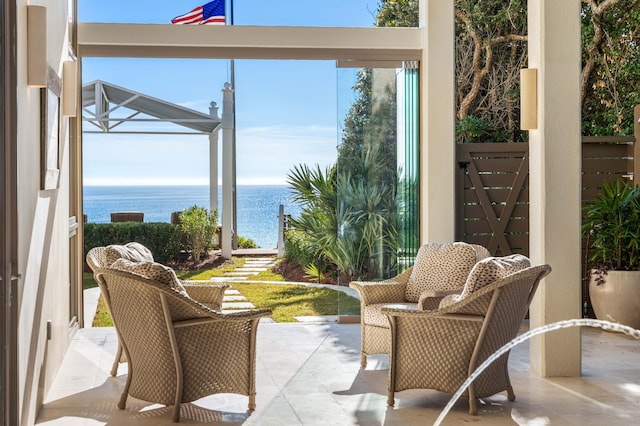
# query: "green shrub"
(163, 239)
(299, 249)
(246, 242)
(477, 129)
(199, 226)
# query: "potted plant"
(611, 225)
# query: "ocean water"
(257, 205)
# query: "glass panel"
(408, 166)
(377, 172)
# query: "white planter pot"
(617, 299)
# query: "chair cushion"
(487, 271)
(153, 271)
(132, 251)
(440, 266)
(373, 313)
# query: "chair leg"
(175, 416)
(252, 402)
(473, 401)
(116, 362)
(473, 406)
(391, 398)
(510, 395)
(363, 360)
(123, 398)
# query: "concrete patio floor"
(309, 374)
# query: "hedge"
(163, 239)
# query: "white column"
(437, 122)
(555, 165)
(227, 171)
(280, 231)
(213, 170)
(213, 161)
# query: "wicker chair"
(410, 290)
(440, 349)
(179, 350)
(208, 294)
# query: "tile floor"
(309, 374)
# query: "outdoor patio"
(309, 374)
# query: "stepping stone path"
(233, 300)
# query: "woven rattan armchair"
(179, 350)
(411, 289)
(440, 349)
(204, 292)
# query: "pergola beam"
(247, 42)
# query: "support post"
(280, 231)
(437, 122)
(555, 182)
(227, 172)
(213, 161)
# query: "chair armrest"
(439, 315)
(379, 292)
(252, 314)
(430, 299)
(208, 294)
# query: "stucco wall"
(43, 256)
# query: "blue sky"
(286, 111)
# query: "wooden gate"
(492, 197)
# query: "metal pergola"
(108, 108)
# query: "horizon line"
(183, 184)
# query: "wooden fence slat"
(475, 210)
(595, 181)
(493, 180)
(501, 164)
(613, 140)
(610, 166)
(496, 195)
(607, 151)
(484, 226)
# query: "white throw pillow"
(132, 251)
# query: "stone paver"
(237, 305)
(230, 298)
(241, 273)
(233, 299)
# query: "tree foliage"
(491, 48)
(610, 65)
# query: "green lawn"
(289, 301)
(285, 301)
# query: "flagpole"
(234, 241)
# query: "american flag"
(210, 13)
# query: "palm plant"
(315, 190)
(612, 226)
(367, 217)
